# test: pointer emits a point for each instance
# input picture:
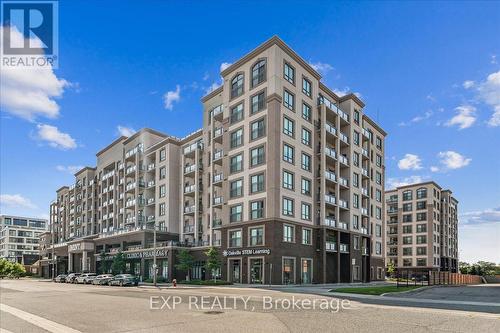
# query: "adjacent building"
(19, 238)
(422, 227)
(285, 178)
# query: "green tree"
(17, 270)
(5, 267)
(213, 263)
(185, 262)
(391, 268)
(104, 262)
(118, 265)
(464, 267)
(485, 268)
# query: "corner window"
(289, 73)
(258, 73)
(306, 87)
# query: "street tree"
(185, 262)
(213, 262)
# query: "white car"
(85, 278)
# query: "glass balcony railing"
(331, 246)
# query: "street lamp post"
(154, 254)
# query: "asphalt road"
(33, 306)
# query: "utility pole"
(154, 254)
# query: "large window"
(421, 205)
(235, 238)
(407, 195)
(288, 127)
(288, 153)
(257, 129)
(306, 236)
(305, 186)
(421, 193)
(421, 216)
(289, 73)
(257, 183)
(289, 100)
(237, 86)
(257, 210)
(236, 188)
(236, 213)
(305, 211)
(236, 163)
(237, 138)
(287, 207)
(422, 239)
(306, 162)
(306, 112)
(288, 180)
(288, 233)
(258, 102)
(256, 236)
(237, 113)
(407, 207)
(257, 156)
(306, 137)
(306, 87)
(258, 73)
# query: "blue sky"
(428, 72)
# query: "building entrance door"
(256, 270)
(235, 270)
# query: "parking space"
(489, 293)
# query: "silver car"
(85, 278)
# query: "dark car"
(102, 279)
(60, 278)
(123, 280)
(71, 278)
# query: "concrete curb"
(413, 291)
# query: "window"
(257, 210)
(355, 243)
(258, 73)
(422, 239)
(378, 142)
(306, 112)
(378, 160)
(235, 238)
(407, 262)
(407, 218)
(288, 233)
(306, 87)
(236, 213)
(289, 100)
(162, 209)
(305, 186)
(407, 251)
(355, 201)
(163, 155)
(288, 127)
(237, 86)
(355, 180)
(305, 211)
(236, 188)
(407, 229)
(237, 113)
(306, 162)
(407, 240)
(407, 207)
(421, 216)
(378, 230)
(257, 129)
(288, 153)
(355, 138)
(378, 248)
(378, 178)
(356, 116)
(421, 228)
(355, 159)
(163, 172)
(378, 195)
(306, 137)
(162, 191)
(257, 156)
(236, 163)
(287, 207)
(421, 193)
(288, 180)
(421, 251)
(258, 102)
(237, 138)
(256, 236)
(421, 204)
(355, 221)
(306, 236)
(407, 195)
(257, 183)
(289, 73)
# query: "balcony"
(130, 186)
(218, 155)
(330, 129)
(130, 219)
(150, 201)
(364, 211)
(330, 246)
(344, 248)
(150, 184)
(150, 218)
(364, 251)
(344, 138)
(330, 152)
(364, 230)
(343, 204)
(120, 166)
(216, 223)
(216, 242)
(121, 195)
(344, 160)
(365, 153)
(364, 191)
(151, 166)
(330, 199)
(343, 225)
(330, 221)
(218, 201)
(130, 169)
(189, 229)
(217, 110)
(190, 169)
(218, 178)
(366, 133)
(189, 189)
(121, 210)
(130, 203)
(364, 172)
(343, 182)
(192, 148)
(329, 175)
(218, 132)
(189, 209)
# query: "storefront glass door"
(235, 271)
(306, 271)
(256, 270)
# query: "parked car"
(123, 280)
(84, 278)
(60, 278)
(71, 278)
(102, 279)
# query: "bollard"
(174, 282)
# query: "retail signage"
(145, 254)
(245, 252)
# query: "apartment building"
(19, 237)
(285, 178)
(422, 227)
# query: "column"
(70, 262)
(84, 261)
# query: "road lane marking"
(46, 324)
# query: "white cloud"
(465, 117)
(451, 161)
(493, 59)
(341, 92)
(479, 228)
(321, 67)
(212, 87)
(224, 65)
(489, 93)
(397, 182)
(468, 84)
(71, 169)
(481, 216)
(410, 162)
(427, 114)
(16, 201)
(55, 138)
(126, 131)
(30, 92)
(171, 97)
